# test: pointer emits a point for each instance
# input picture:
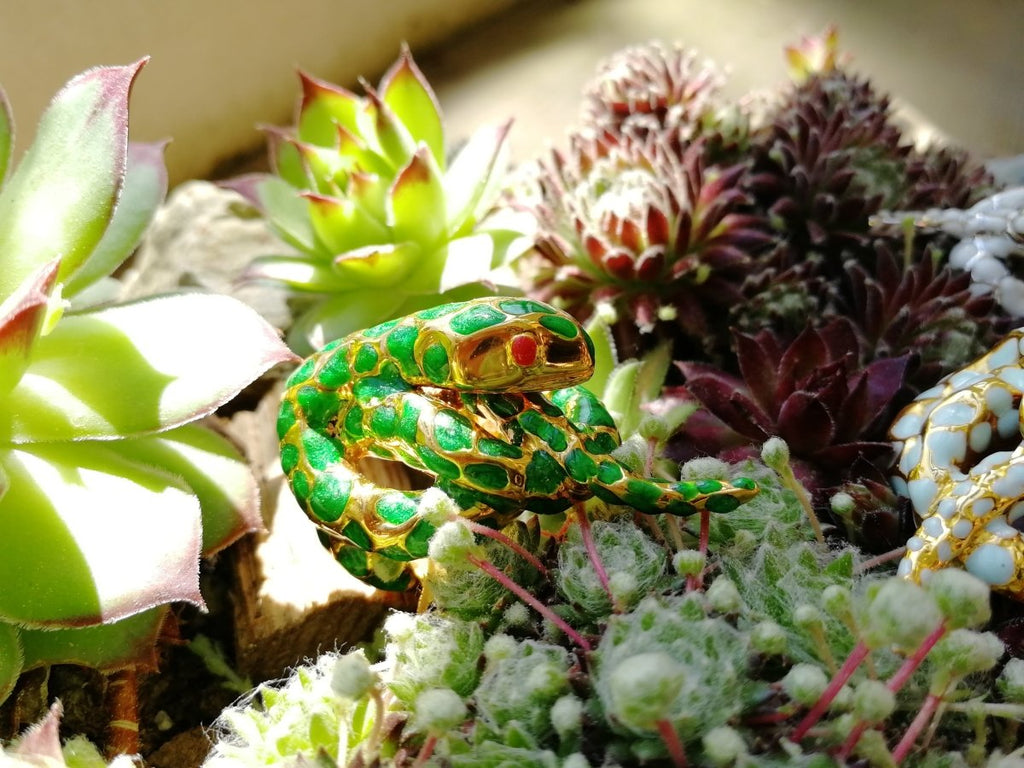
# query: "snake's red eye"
(524, 349)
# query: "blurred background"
(221, 67)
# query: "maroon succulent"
(663, 239)
(813, 393)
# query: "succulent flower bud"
(689, 562)
(567, 716)
(805, 683)
(963, 599)
(723, 746)
(723, 597)
(352, 677)
(643, 688)
(452, 544)
(769, 638)
(872, 701)
(899, 613)
(438, 710)
(1011, 681)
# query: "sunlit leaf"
(60, 199)
(297, 273)
(21, 319)
(325, 106)
(11, 658)
(474, 179)
(342, 314)
(416, 209)
(378, 266)
(343, 225)
(213, 470)
(88, 536)
(145, 186)
(138, 368)
(406, 91)
(128, 642)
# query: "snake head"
(530, 352)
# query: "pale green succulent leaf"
(379, 266)
(466, 260)
(6, 139)
(151, 365)
(653, 370)
(11, 659)
(342, 314)
(394, 139)
(409, 96)
(21, 321)
(297, 273)
(473, 181)
(130, 642)
(286, 159)
(621, 396)
(145, 185)
(287, 212)
(127, 537)
(325, 106)
(359, 157)
(61, 197)
(342, 225)
(605, 355)
(213, 470)
(416, 204)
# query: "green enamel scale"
(484, 396)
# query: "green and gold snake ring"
(484, 396)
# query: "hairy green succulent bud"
(689, 562)
(437, 710)
(635, 564)
(899, 613)
(963, 599)
(567, 716)
(724, 746)
(805, 683)
(873, 701)
(1011, 681)
(768, 638)
(352, 677)
(428, 652)
(643, 689)
(522, 685)
(723, 597)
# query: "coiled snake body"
(967, 493)
(483, 396)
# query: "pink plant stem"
(913, 661)
(894, 684)
(695, 581)
(499, 576)
(857, 655)
(425, 751)
(587, 533)
(672, 743)
(515, 546)
(924, 715)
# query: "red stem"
(695, 581)
(672, 743)
(913, 661)
(502, 578)
(927, 711)
(515, 546)
(425, 751)
(587, 534)
(857, 655)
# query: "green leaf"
(415, 209)
(145, 186)
(286, 158)
(6, 139)
(288, 215)
(130, 642)
(605, 355)
(473, 182)
(324, 107)
(393, 137)
(11, 659)
(151, 365)
(653, 370)
(297, 273)
(406, 91)
(88, 537)
(21, 320)
(621, 397)
(213, 470)
(378, 266)
(60, 199)
(342, 224)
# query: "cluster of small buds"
(991, 232)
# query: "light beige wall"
(218, 67)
